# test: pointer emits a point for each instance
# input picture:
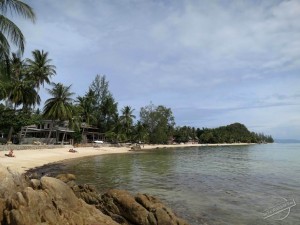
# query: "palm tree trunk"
(10, 134)
(62, 141)
(49, 136)
(11, 129)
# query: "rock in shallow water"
(51, 201)
(140, 209)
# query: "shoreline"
(33, 158)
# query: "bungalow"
(48, 132)
(57, 132)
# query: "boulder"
(66, 177)
(53, 203)
(88, 193)
(139, 210)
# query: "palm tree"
(127, 118)
(39, 68)
(141, 133)
(9, 32)
(86, 106)
(59, 107)
(108, 110)
(20, 89)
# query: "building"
(57, 132)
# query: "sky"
(212, 62)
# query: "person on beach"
(72, 150)
(10, 154)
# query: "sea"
(220, 185)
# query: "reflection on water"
(217, 185)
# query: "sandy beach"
(28, 159)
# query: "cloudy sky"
(212, 62)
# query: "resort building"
(57, 132)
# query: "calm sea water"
(206, 185)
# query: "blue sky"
(212, 62)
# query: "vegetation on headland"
(21, 80)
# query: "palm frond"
(19, 7)
(13, 32)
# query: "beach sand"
(28, 159)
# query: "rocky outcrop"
(139, 209)
(127, 209)
(53, 203)
(60, 201)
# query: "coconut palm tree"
(20, 89)
(127, 119)
(141, 133)
(59, 107)
(39, 68)
(9, 32)
(86, 106)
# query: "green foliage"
(126, 120)
(140, 133)
(59, 107)
(77, 136)
(233, 133)
(105, 108)
(185, 134)
(39, 68)
(159, 122)
(16, 119)
(9, 32)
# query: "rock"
(35, 183)
(88, 193)
(139, 210)
(50, 202)
(66, 177)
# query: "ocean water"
(256, 184)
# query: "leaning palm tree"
(59, 107)
(9, 32)
(39, 68)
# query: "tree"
(104, 104)
(126, 119)
(232, 133)
(86, 107)
(59, 107)
(108, 114)
(11, 119)
(159, 121)
(9, 32)
(39, 68)
(140, 133)
(18, 89)
(100, 88)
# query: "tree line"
(22, 79)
